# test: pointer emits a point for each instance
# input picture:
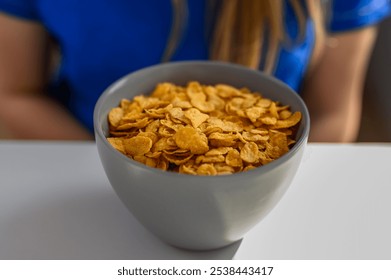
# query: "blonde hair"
(241, 26)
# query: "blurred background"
(376, 115)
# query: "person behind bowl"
(57, 57)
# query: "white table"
(56, 203)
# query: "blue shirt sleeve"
(346, 15)
(25, 9)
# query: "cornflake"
(202, 129)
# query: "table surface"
(56, 203)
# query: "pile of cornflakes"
(202, 129)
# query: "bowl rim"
(302, 140)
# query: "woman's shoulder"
(25, 9)
(352, 14)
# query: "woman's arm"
(25, 112)
(333, 89)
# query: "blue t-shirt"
(103, 40)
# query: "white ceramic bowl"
(198, 212)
